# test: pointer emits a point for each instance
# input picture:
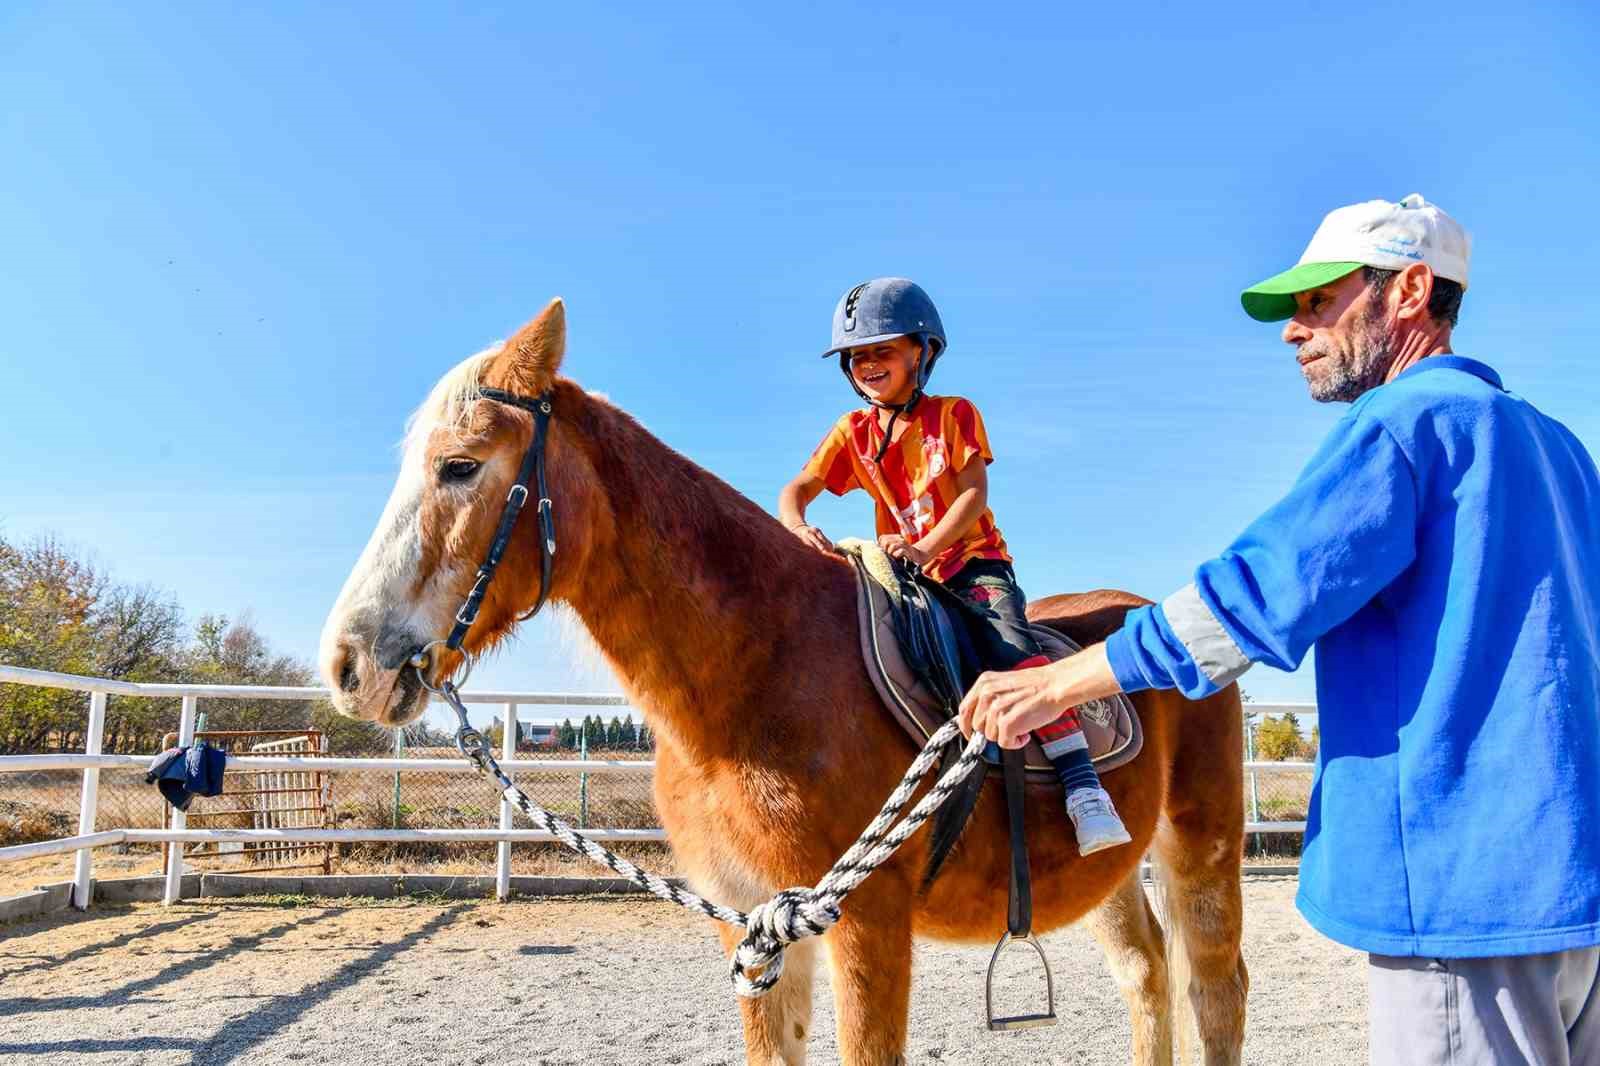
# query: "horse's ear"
(531, 358)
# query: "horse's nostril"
(348, 681)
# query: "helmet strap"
(924, 367)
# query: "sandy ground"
(555, 982)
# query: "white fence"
(92, 761)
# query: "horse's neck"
(692, 592)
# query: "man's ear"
(1412, 288)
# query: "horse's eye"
(455, 470)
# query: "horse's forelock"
(450, 401)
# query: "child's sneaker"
(1095, 820)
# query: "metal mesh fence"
(1272, 794)
(41, 805)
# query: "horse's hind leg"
(1127, 931)
(777, 1024)
(1201, 850)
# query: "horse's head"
(462, 455)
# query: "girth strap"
(1019, 904)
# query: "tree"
(567, 735)
(59, 611)
(1279, 739)
(615, 737)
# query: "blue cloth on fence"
(184, 773)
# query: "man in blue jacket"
(1442, 552)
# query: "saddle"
(922, 658)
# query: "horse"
(739, 645)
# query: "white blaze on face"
(385, 611)
(380, 599)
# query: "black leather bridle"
(532, 470)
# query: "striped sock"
(1073, 766)
(1064, 743)
(1068, 751)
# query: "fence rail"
(92, 761)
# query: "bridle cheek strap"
(531, 471)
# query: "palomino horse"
(739, 644)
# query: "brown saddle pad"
(1110, 726)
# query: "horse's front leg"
(777, 1024)
(869, 953)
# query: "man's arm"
(1344, 532)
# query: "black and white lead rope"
(794, 913)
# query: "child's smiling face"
(887, 371)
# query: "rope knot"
(791, 915)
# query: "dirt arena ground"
(407, 982)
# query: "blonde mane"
(450, 401)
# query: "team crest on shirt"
(933, 456)
(917, 519)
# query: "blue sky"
(239, 245)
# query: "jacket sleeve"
(1345, 531)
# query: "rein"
(792, 914)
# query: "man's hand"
(814, 537)
(901, 548)
(1007, 707)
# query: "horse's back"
(1085, 617)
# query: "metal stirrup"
(1020, 1021)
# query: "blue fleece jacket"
(1442, 551)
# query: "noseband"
(532, 470)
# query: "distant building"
(530, 735)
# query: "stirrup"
(1020, 1021)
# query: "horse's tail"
(952, 818)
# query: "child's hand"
(901, 548)
(814, 537)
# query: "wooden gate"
(267, 799)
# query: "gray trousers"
(1538, 1010)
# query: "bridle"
(531, 470)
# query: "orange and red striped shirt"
(915, 485)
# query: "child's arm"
(792, 503)
(972, 499)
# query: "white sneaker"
(1095, 820)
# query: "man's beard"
(1347, 376)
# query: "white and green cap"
(1375, 234)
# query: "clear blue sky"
(239, 245)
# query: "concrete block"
(142, 889)
(383, 886)
(24, 905)
(249, 885)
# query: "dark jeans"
(990, 587)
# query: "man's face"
(1342, 336)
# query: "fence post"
(1250, 756)
(83, 872)
(583, 778)
(399, 750)
(180, 819)
(508, 751)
